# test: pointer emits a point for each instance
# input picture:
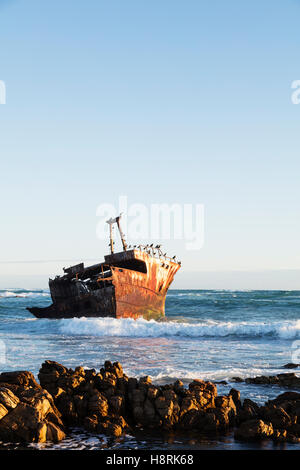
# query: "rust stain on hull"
(143, 294)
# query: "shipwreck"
(131, 283)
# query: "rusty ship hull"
(129, 284)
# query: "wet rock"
(111, 429)
(191, 419)
(178, 387)
(248, 411)
(97, 403)
(236, 397)
(145, 381)
(277, 416)
(254, 429)
(188, 403)
(286, 397)
(90, 423)
(237, 379)
(291, 365)
(3, 411)
(32, 420)
(24, 378)
(8, 398)
(284, 380)
(164, 407)
(117, 403)
(152, 393)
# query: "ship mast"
(110, 222)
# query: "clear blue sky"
(163, 101)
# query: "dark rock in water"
(286, 397)
(291, 365)
(221, 382)
(289, 379)
(237, 379)
(255, 430)
(277, 416)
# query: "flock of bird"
(154, 251)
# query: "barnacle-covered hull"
(128, 284)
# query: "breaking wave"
(13, 293)
(141, 328)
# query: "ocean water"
(207, 334)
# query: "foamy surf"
(13, 294)
(141, 328)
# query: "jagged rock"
(117, 403)
(3, 411)
(187, 404)
(248, 411)
(67, 408)
(34, 422)
(152, 392)
(225, 411)
(8, 398)
(111, 429)
(23, 377)
(277, 416)
(178, 388)
(90, 423)
(164, 407)
(254, 429)
(191, 419)
(97, 403)
(145, 381)
(236, 397)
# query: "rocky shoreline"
(109, 402)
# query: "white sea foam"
(170, 374)
(12, 294)
(143, 328)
